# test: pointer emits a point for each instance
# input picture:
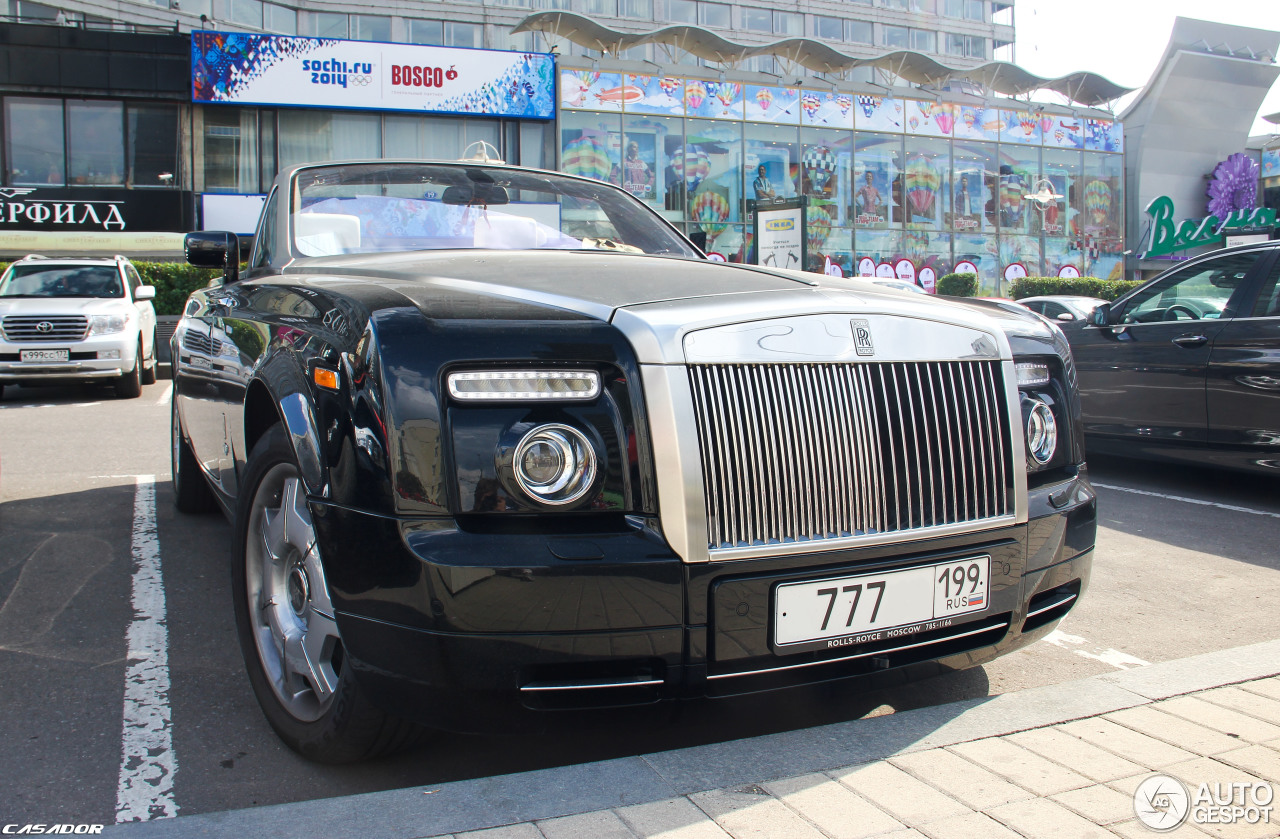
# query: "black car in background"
(1187, 367)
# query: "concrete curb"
(569, 790)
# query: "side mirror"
(145, 292)
(1066, 317)
(1102, 315)
(214, 249)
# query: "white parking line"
(1202, 503)
(147, 763)
(166, 396)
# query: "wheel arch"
(283, 399)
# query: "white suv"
(76, 320)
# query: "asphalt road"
(1172, 578)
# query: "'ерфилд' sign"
(246, 69)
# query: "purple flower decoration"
(1234, 186)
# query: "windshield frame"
(663, 238)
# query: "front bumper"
(84, 361)
(476, 631)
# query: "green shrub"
(1076, 286)
(958, 285)
(174, 282)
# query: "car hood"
(62, 306)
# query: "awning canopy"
(1087, 89)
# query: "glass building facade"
(887, 179)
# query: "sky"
(1124, 39)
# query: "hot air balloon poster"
(595, 91)
(879, 113)
(827, 109)
(1103, 135)
(974, 122)
(922, 182)
(929, 118)
(663, 95)
(1021, 127)
(1065, 133)
(587, 152)
(777, 105)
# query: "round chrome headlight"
(1042, 432)
(554, 464)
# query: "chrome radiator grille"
(45, 327)
(804, 452)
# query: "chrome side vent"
(799, 453)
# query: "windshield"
(62, 281)
(378, 207)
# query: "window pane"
(505, 39)
(642, 9)
(714, 14)
(877, 176)
(682, 11)
(975, 10)
(1196, 293)
(246, 12)
(590, 144)
(279, 19)
(788, 23)
(463, 34)
(926, 185)
(370, 28)
(975, 186)
(953, 8)
(153, 145)
(426, 32)
(828, 28)
(423, 137)
(927, 6)
(328, 25)
(757, 20)
(922, 41)
(95, 133)
(894, 37)
(857, 31)
(267, 145)
(307, 136)
(954, 44)
(975, 47)
(33, 141)
(605, 8)
(772, 156)
(230, 150)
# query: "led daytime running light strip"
(1033, 375)
(502, 385)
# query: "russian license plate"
(44, 355)
(845, 611)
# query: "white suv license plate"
(44, 355)
(876, 607)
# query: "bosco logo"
(407, 75)
(780, 224)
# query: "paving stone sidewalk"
(1075, 779)
(1058, 761)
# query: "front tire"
(148, 373)
(191, 493)
(129, 385)
(285, 621)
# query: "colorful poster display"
(1021, 127)
(592, 90)
(658, 95)
(879, 113)
(244, 69)
(974, 122)
(1271, 163)
(1063, 132)
(1103, 135)
(929, 118)
(779, 105)
(828, 109)
(713, 100)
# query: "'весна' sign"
(244, 69)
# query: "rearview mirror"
(214, 249)
(1066, 317)
(476, 193)
(145, 292)
(1102, 315)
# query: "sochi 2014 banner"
(242, 69)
